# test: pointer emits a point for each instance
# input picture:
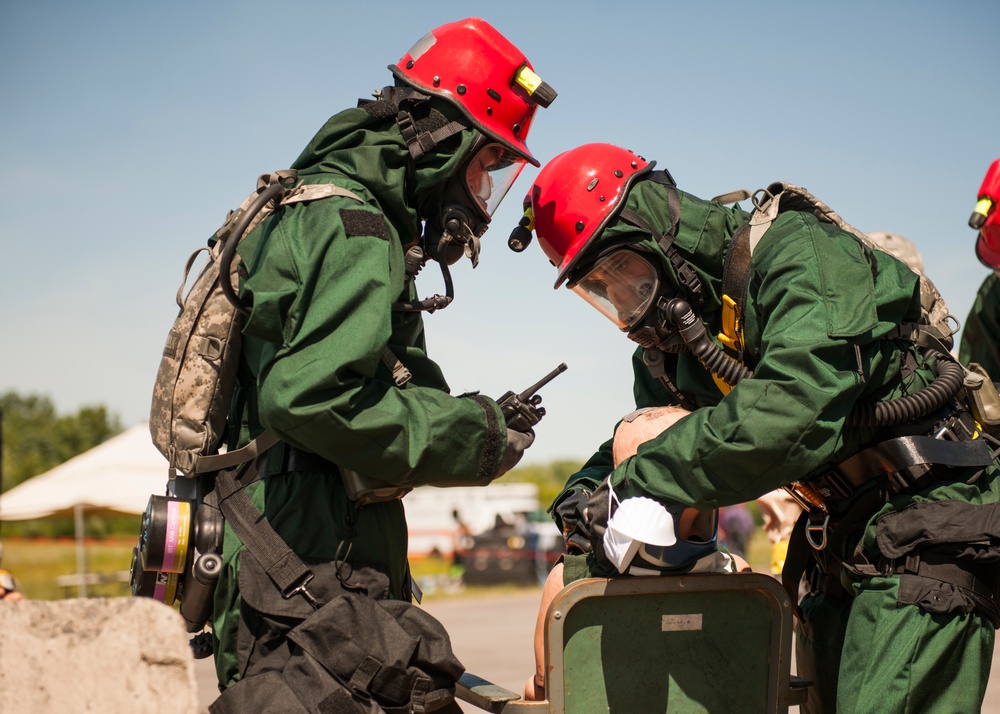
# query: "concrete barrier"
(104, 655)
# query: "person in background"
(980, 341)
(736, 528)
(8, 587)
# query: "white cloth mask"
(638, 520)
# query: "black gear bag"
(323, 637)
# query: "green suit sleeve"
(785, 422)
(321, 319)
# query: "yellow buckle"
(730, 336)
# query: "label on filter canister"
(165, 589)
(175, 545)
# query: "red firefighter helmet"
(472, 65)
(576, 195)
(986, 218)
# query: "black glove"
(517, 442)
(572, 513)
(597, 512)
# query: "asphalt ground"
(492, 635)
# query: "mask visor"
(490, 174)
(622, 286)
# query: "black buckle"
(832, 486)
(815, 531)
(302, 590)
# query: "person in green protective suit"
(824, 379)
(333, 357)
(980, 342)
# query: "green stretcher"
(717, 643)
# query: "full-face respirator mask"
(459, 215)
(468, 201)
(627, 288)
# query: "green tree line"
(36, 438)
(549, 478)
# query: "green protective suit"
(818, 307)
(980, 341)
(321, 278)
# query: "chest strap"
(904, 461)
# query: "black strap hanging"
(282, 565)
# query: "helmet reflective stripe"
(479, 70)
(577, 194)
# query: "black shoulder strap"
(736, 272)
(688, 278)
(282, 565)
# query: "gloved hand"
(517, 442)
(572, 513)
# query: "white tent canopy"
(117, 476)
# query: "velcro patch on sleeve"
(358, 222)
(491, 446)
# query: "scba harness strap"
(945, 554)
(934, 331)
(950, 569)
(905, 462)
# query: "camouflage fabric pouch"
(197, 374)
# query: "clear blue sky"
(128, 129)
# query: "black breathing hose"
(946, 385)
(435, 302)
(711, 356)
(949, 381)
(233, 240)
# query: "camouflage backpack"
(197, 374)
